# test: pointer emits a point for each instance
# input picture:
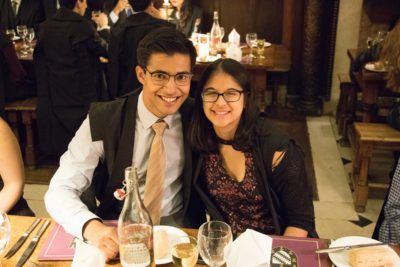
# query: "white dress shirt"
(77, 165)
(18, 4)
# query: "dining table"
(277, 59)
(371, 84)
(19, 224)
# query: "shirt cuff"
(75, 226)
(103, 28)
(114, 18)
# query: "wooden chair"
(26, 110)
(345, 111)
(370, 136)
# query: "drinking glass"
(260, 48)
(251, 40)
(11, 34)
(222, 33)
(214, 242)
(185, 252)
(22, 31)
(5, 230)
(30, 36)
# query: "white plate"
(340, 259)
(173, 234)
(208, 59)
(371, 67)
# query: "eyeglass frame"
(222, 94)
(169, 76)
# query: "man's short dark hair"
(166, 40)
(70, 4)
(139, 5)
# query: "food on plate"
(378, 65)
(370, 257)
(160, 244)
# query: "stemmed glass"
(5, 230)
(260, 48)
(30, 36)
(22, 31)
(11, 34)
(214, 242)
(222, 33)
(185, 252)
(251, 40)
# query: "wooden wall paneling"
(269, 20)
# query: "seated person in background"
(390, 54)
(118, 133)
(125, 38)
(186, 16)
(23, 12)
(249, 173)
(69, 74)
(11, 70)
(11, 174)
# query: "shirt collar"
(147, 118)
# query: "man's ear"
(140, 73)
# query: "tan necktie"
(154, 188)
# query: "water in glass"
(214, 242)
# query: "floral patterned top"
(240, 203)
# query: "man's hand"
(121, 5)
(152, 11)
(102, 236)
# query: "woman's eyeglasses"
(228, 96)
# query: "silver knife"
(22, 239)
(27, 253)
(339, 249)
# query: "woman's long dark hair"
(184, 14)
(201, 132)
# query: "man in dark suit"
(120, 132)
(125, 38)
(21, 12)
(69, 74)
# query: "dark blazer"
(124, 41)
(50, 8)
(30, 13)
(281, 193)
(114, 123)
(197, 13)
(69, 77)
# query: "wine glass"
(251, 40)
(222, 33)
(5, 230)
(11, 34)
(30, 36)
(22, 31)
(260, 48)
(214, 242)
(185, 252)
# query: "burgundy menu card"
(59, 244)
(299, 252)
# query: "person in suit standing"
(119, 132)
(125, 38)
(21, 12)
(69, 74)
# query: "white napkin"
(87, 255)
(233, 50)
(250, 249)
(234, 37)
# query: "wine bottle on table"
(215, 35)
